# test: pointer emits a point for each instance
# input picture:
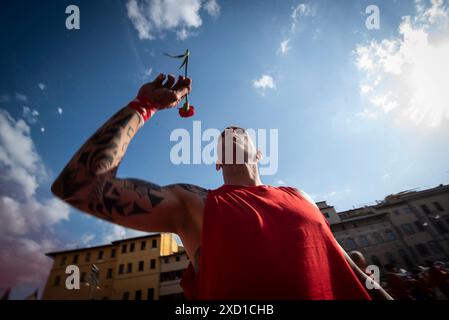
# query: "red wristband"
(143, 106)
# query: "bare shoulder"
(193, 199)
(189, 190)
(305, 196)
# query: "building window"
(121, 269)
(129, 269)
(125, 296)
(435, 247)
(326, 215)
(397, 212)
(408, 229)
(390, 235)
(425, 209)
(166, 260)
(87, 257)
(83, 277)
(178, 258)
(407, 210)
(440, 226)
(113, 253)
(363, 241)
(140, 265)
(350, 244)
(143, 244)
(154, 243)
(171, 275)
(57, 281)
(75, 258)
(153, 264)
(150, 294)
(109, 273)
(131, 247)
(100, 254)
(124, 248)
(63, 260)
(419, 225)
(438, 206)
(138, 295)
(422, 249)
(377, 237)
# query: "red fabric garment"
(268, 243)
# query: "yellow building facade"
(124, 269)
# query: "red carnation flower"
(186, 113)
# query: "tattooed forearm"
(99, 156)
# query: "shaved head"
(235, 146)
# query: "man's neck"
(242, 175)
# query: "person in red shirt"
(245, 239)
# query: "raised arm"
(89, 183)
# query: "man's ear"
(259, 155)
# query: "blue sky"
(360, 113)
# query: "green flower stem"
(186, 63)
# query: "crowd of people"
(429, 282)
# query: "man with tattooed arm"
(245, 239)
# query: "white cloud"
(21, 217)
(139, 20)
(42, 129)
(284, 47)
(263, 83)
(21, 97)
(86, 238)
(23, 261)
(212, 8)
(301, 10)
(280, 182)
(436, 13)
(407, 75)
(41, 86)
(24, 218)
(385, 102)
(84, 241)
(20, 165)
(60, 110)
(183, 34)
(364, 88)
(115, 232)
(386, 176)
(30, 115)
(148, 72)
(151, 17)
